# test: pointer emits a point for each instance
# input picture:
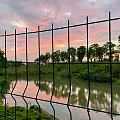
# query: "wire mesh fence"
(53, 63)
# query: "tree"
(11, 63)
(36, 60)
(2, 58)
(47, 57)
(119, 39)
(56, 56)
(118, 49)
(107, 48)
(81, 53)
(72, 53)
(43, 59)
(94, 48)
(90, 53)
(64, 56)
(100, 53)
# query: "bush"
(95, 76)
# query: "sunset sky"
(19, 14)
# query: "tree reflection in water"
(100, 98)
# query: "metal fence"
(53, 63)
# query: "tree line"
(9, 63)
(95, 53)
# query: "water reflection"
(100, 94)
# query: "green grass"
(33, 113)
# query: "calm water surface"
(100, 98)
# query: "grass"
(33, 113)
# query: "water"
(100, 98)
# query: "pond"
(100, 98)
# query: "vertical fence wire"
(69, 74)
(26, 79)
(88, 67)
(15, 78)
(53, 75)
(5, 73)
(38, 73)
(110, 59)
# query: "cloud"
(18, 23)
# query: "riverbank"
(97, 72)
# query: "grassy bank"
(33, 113)
(97, 72)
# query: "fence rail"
(53, 63)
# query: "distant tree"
(81, 53)
(11, 63)
(63, 56)
(118, 47)
(2, 58)
(119, 39)
(107, 48)
(72, 53)
(94, 48)
(43, 59)
(36, 60)
(90, 53)
(100, 53)
(47, 57)
(56, 56)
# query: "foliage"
(72, 52)
(64, 56)
(100, 53)
(2, 59)
(55, 56)
(93, 51)
(81, 53)
(109, 46)
(12, 63)
(43, 58)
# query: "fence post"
(39, 73)
(87, 28)
(110, 58)
(69, 74)
(53, 74)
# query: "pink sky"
(21, 14)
